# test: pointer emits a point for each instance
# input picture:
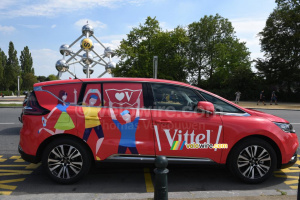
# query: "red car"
(69, 124)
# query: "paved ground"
(24, 181)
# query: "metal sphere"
(65, 49)
(90, 70)
(87, 44)
(161, 162)
(87, 60)
(87, 29)
(62, 65)
(108, 51)
(110, 66)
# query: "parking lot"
(18, 177)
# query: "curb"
(238, 194)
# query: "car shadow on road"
(129, 178)
(11, 131)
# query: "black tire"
(66, 161)
(253, 160)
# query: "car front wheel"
(66, 161)
(253, 160)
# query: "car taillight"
(33, 108)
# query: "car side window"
(220, 106)
(169, 97)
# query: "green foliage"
(281, 46)
(28, 80)
(26, 61)
(41, 78)
(51, 77)
(218, 61)
(12, 69)
(3, 60)
(148, 40)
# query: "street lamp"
(18, 85)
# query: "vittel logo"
(179, 135)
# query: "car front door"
(180, 130)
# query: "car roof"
(56, 82)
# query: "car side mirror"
(206, 106)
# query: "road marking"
(2, 159)
(17, 159)
(10, 187)
(5, 193)
(9, 172)
(9, 168)
(293, 179)
(30, 166)
(148, 180)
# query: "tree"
(12, 69)
(28, 78)
(26, 61)
(41, 78)
(214, 52)
(3, 61)
(51, 77)
(281, 46)
(148, 40)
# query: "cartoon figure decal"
(128, 130)
(92, 120)
(64, 122)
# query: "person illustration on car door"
(92, 120)
(64, 122)
(128, 130)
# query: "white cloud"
(44, 61)
(53, 26)
(15, 8)
(7, 29)
(95, 24)
(31, 26)
(247, 25)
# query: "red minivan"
(69, 124)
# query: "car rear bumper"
(27, 157)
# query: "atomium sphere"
(87, 29)
(87, 60)
(62, 65)
(90, 70)
(65, 49)
(108, 51)
(110, 66)
(87, 44)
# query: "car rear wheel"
(66, 161)
(253, 160)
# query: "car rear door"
(126, 123)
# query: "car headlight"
(288, 128)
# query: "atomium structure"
(89, 58)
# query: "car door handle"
(163, 122)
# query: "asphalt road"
(18, 177)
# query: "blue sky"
(44, 25)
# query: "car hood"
(270, 117)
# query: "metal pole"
(161, 178)
(155, 59)
(18, 86)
